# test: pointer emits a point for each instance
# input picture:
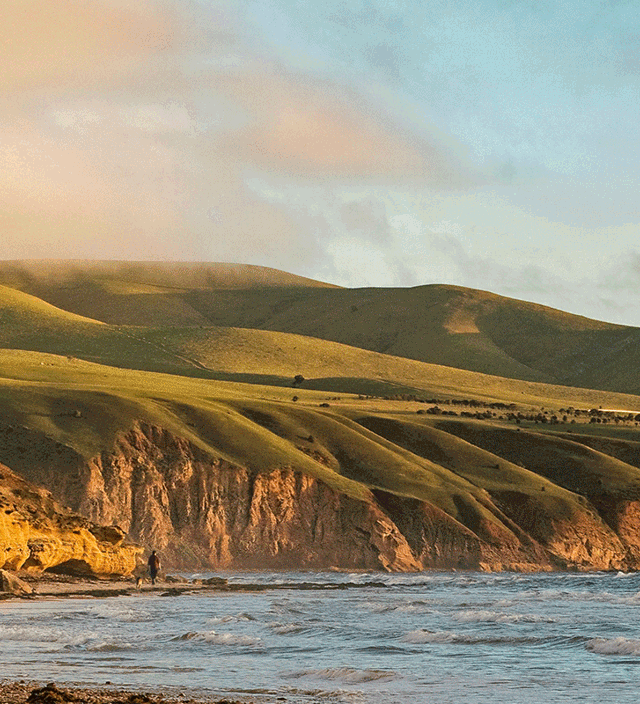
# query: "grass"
(355, 445)
(259, 357)
(444, 325)
(228, 389)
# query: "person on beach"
(154, 566)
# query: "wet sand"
(51, 587)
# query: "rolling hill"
(444, 325)
(164, 398)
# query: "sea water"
(429, 637)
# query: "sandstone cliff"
(37, 533)
(198, 509)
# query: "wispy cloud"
(127, 131)
(177, 129)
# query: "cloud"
(318, 129)
(368, 217)
(129, 130)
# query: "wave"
(33, 634)
(501, 617)
(411, 607)
(98, 643)
(423, 636)
(284, 629)
(228, 639)
(118, 612)
(232, 619)
(112, 647)
(614, 646)
(559, 596)
(347, 675)
(287, 607)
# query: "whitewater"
(430, 637)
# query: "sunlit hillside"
(445, 325)
(162, 397)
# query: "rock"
(109, 534)
(173, 579)
(50, 695)
(134, 699)
(13, 585)
(171, 592)
(37, 534)
(215, 581)
(198, 509)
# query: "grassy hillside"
(56, 408)
(264, 372)
(139, 293)
(445, 325)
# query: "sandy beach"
(63, 586)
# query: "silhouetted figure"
(154, 566)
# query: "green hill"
(444, 325)
(244, 417)
(259, 357)
(95, 435)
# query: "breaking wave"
(228, 639)
(347, 675)
(423, 636)
(454, 637)
(614, 646)
(501, 617)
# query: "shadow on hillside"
(339, 384)
(362, 386)
(257, 379)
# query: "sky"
(492, 144)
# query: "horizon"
(481, 145)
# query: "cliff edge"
(200, 510)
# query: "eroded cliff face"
(37, 533)
(199, 510)
(202, 510)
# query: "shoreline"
(50, 587)
(41, 692)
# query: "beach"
(67, 587)
(311, 638)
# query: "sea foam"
(228, 639)
(484, 616)
(614, 646)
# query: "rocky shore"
(29, 586)
(33, 693)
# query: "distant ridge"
(439, 324)
(28, 272)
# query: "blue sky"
(486, 144)
(539, 101)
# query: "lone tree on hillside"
(298, 379)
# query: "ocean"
(431, 637)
